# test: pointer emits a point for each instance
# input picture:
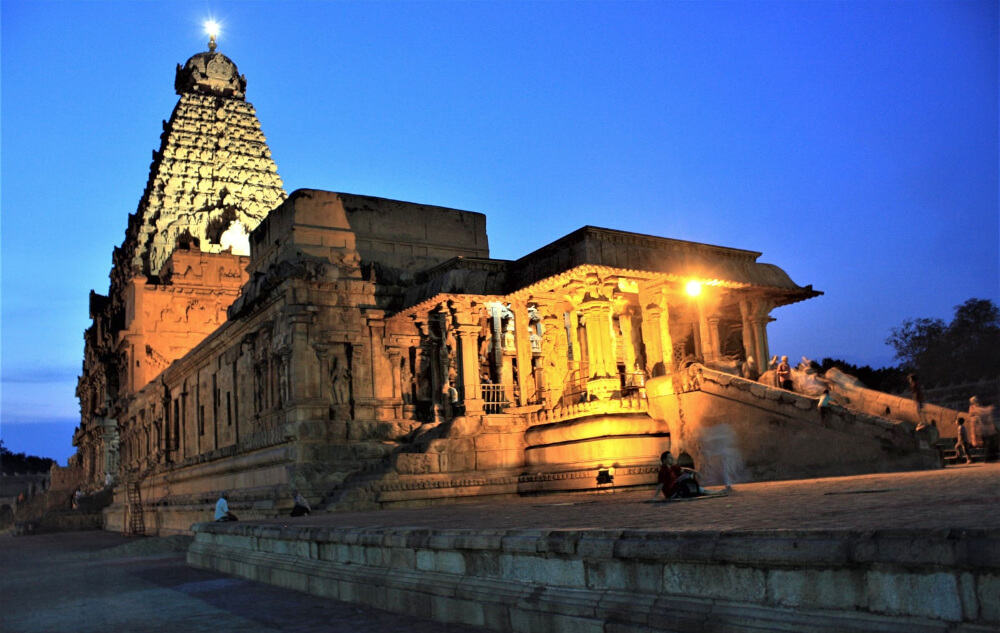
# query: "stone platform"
(916, 551)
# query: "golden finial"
(212, 30)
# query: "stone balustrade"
(633, 403)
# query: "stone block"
(489, 442)
(528, 621)
(787, 548)
(401, 558)
(456, 462)
(597, 544)
(727, 582)
(449, 562)
(563, 542)
(496, 617)
(413, 603)
(967, 595)
(325, 587)
(666, 547)
(375, 556)
(482, 564)
(522, 540)
(624, 576)
(817, 588)
(559, 572)
(988, 594)
(425, 560)
(933, 595)
(496, 459)
(622, 608)
(455, 610)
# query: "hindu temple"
(369, 352)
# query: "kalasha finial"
(212, 30)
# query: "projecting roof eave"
(431, 303)
(769, 279)
(784, 294)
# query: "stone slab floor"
(102, 582)
(82, 582)
(966, 496)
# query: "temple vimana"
(370, 353)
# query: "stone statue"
(509, 344)
(406, 381)
(340, 376)
(536, 342)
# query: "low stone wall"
(631, 581)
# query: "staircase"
(133, 524)
(950, 455)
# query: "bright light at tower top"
(693, 288)
(211, 28)
(212, 31)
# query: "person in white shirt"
(301, 505)
(222, 512)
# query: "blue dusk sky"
(854, 144)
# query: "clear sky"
(853, 143)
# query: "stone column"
(656, 330)
(760, 336)
(522, 338)
(749, 339)
(755, 313)
(710, 338)
(625, 323)
(468, 334)
(602, 381)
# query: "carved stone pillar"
(710, 338)
(468, 334)
(522, 337)
(760, 338)
(656, 331)
(755, 314)
(747, 331)
(602, 380)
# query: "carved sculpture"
(340, 377)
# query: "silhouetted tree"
(20, 463)
(890, 379)
(964, 350)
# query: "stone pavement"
(957, 497)
(101, 582)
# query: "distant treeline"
(19, 463)
(967, 349)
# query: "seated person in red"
(676, 482)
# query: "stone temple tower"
(212, 180)
(184, 256)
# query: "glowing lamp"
(693, 288)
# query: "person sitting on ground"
(301, 505)
(222, 512)
(676, 482)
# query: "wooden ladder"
(133, 524)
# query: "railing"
(494, 398)
(575, 390)
(633, 403)
(633, 381)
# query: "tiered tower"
(184, 256)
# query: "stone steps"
(632, 581)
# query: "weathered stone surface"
(560, 588)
